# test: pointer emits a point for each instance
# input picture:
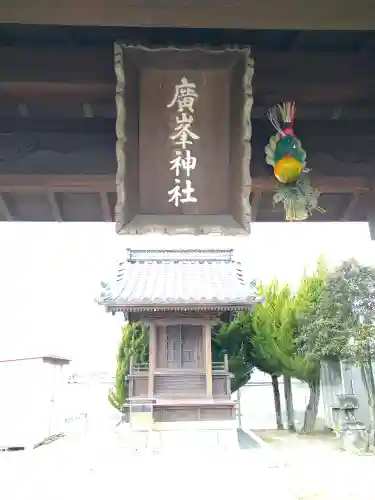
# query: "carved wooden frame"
(151, 224)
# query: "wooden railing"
(220, 366)
(143, 367)
(139, 368)
(174, 383)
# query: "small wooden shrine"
(180, 295)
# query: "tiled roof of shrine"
(179, 280)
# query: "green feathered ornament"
(285, 154)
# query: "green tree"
(133, 346)
(306, 300)
(275, 339)
(266, 358)
(273, 342)
(234, 339)
(291, 306)
(342, 326)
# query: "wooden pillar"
(226, 368)
(370, 213)
(151, 360)
(131, 380)
(208, 359)
(371, 225)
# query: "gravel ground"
(75, 469)
(287, 468)
(313, 467)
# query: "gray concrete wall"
(339, 378)
(257, 404)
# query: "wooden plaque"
(183, 140)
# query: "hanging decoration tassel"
(285, 154)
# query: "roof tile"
(179, 279)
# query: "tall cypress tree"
(133, 345)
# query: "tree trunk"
(311, 411)
(239, 408)
(368, 380)
(372, 409)
(277, 401)
(289, 403)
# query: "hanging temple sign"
(183, 139)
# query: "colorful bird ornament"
(285, 154)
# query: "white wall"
(89, 397)
(257, 403)
(31, 407)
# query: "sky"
(50, 275)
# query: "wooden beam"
(57, 91)
(245, 14)
(331, 112)
(325, 85)
(87, 110)
(4, 209)
(77, 64)
(256, 197)
(22, 109)
(103, 106)
(351, 206)
(106, 183)
(326, 185)
(370, 212)
(318, 66)
(53, 125)
(311, 130)
(57, 64)
(107, 213)
(54, 199)
(38, 96)
(12, 183)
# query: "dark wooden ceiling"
(100, 36)
(57, 116)
(245, 14)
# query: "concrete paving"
(77, 469)
(247, 441)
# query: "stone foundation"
(180, 438)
